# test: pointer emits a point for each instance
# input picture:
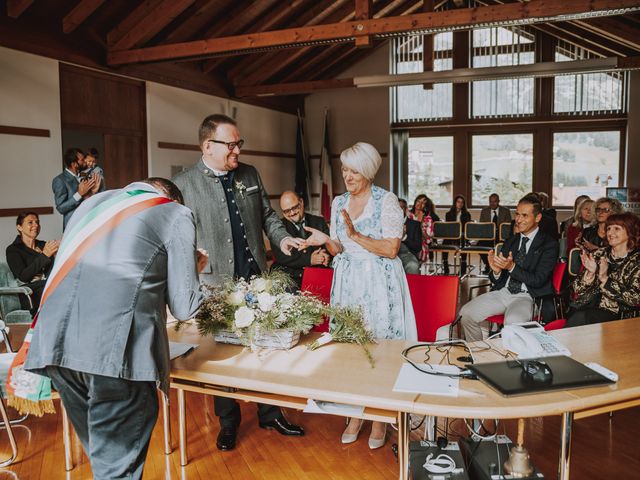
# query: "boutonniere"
(240, 188)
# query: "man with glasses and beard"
(232, 210)
(295, 219)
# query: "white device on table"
(530, 340)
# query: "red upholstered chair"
(435, 302)
(318, 280)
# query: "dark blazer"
(549, 224)
(64, 186)
(537, 271)
(413, 230)
(295, 263)
(25, 263)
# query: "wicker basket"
(276, 339)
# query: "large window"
(412, 103)
(587, 92)
(431, 168)
(584, 163)
(502, 164)
(499, 47)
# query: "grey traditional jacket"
(64, 186)
(204, 195)
(108, 315)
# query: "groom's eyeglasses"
(230, 145)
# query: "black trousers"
(228, 411)
(589, 316)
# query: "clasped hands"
(591, 265)
(499, 262)
(89, 186)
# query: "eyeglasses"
(292, 210)
(230, 145)
(603, 210)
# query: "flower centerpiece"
(263, 313)
(260, 312)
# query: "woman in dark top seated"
(457, 213)
(594, 237)
(609, 286)
(30, 260)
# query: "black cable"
(460, 374)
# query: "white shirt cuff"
(77, 197)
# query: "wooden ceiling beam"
(15, 8)
(264, 24)
(294, 88)
(156, 19)
(533, 11)
(312, 17)
(363, 11)
(577, 35)
(238, 18)
(614, 29)
(277, 61)
(79, 14)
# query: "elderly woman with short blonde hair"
(365, 235)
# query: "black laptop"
(507, 376)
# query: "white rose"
(259, 285)
(244, 317)
(266, 301)
(235, 298)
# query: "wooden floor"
(603, 448)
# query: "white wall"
(174, 115)
(355, 115)
(29, 97)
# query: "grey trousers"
(516, 309)
(113, 418)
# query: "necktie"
(303, 232)
(515, 286)
(495, 218)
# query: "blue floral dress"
(378, 284)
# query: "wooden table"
(341, 373)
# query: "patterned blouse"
(621, 292)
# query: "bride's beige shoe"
(351, 437)
(378, 442)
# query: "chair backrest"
(447, 230)
(480, 231)
(575, 262)
(498, 247)
(11, 301)
(558, 276)
(505, 231)
(318, 280)
(435, 302)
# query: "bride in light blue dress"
(365, 235)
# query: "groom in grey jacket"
(232, 209)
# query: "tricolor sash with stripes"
(29, 392)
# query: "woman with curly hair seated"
(609, 286)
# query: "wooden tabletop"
(341, 373)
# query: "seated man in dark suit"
(295, 219)
(520, 272)
(497, 214)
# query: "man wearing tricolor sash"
(100, 334)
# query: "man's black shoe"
(283, 427)
(227, 438)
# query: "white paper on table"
(177, 349)
(331, 408)
(414, 381)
